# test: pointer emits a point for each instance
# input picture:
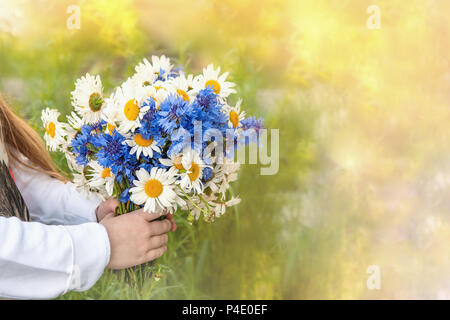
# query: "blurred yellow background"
(364, 149)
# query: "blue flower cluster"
(168, 126)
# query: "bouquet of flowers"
(162, 141)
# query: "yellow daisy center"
(140, 141)
(158, 88)
(153, 188)
(177, 163)
(214, 84)
(131, 110)
(234, 118)
(183, 94)
(106, 173)
(195, 171)
(51, 128)
(111, 128)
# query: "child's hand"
(109, 206)
(135, 238)
(105, 208)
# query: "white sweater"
(63, 249)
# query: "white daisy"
(201, 205)
(145, 75)
(174, 161)
(223, 174)
(140, 145)
(101, 178)
(145, 92)
(154, 190)
(71, 162)
(54, 130)
(162, 91)
(193, 167)
(161, 66)
(161, 85)
(82, 186)
(216, 180)
(71, 134)
(75, 121)
(210, 206)
(183, 86)
(87, 98)
(189, 167)
(179, 201)
(158, 92)
(81, 183)
(211, 78)
(110, 115)
(125, 105)
(220, 207)
(234, 114)
(196, 210)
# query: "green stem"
(118, 190)
(204, 201)
(195, 205)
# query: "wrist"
(96, 213)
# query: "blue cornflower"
(79, 146)
(251, 128)
(172, 111)
(147, 165)
(207, 174)
(113, 151)
(129, 166)
(150, 103)
(179, 140)
(125, 196)
(206, 98)
(97, 128)
(158, 164)
(175, 72)
(252, 123)
(161, 74)
(206, 111)
(207, 108)
(150, 129)
(83, 143)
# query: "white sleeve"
(51, 201)
(41, 262)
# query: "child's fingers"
(113, 203)
(147, 216)
(174, 225)
(108, 216)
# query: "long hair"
(21, 140)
